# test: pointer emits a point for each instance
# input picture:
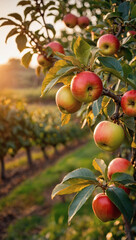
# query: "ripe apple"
(108, 44)
(43, 61)
(86, 86)
(108, 135)
(104, 209)
(131, 33)
(55, 46)
(128, 103)
(70, 20)
(66, 102)
(118, 165)
(83, 21)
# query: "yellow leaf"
(65, 118)
(51, 75)
(62, 189)
(133, 145)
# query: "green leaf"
(50, 27)
(21, 41)
(96, 106)
(129, 122)
(118, 75)
(122, 178)
(26, 59)
(126, 69)
(111, 62)
(110, 107)
(120, 198)
(79, 201)
(124, 9)
(80, 173)
(62, 189)
(131, 186)
(23, 3)
(11, 33)
(100, 166)
(133, 12)
(16, 16)
(67, 70)
(82, 50)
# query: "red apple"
(104, 209)
(55, 46)
(128, 103)
(86, 86)
(108, 44)
(118, 165)
(131, 33)
(70, 20)
(43, 61)
(108, 135)
(83, 22)
(66, 102)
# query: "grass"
(28, 94)
(36, 186)
(54, 226)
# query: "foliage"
(117, 74)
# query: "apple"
(55, 46)
(70, 20)
(108, 44)
(104, 208)
(66, 102)
(108, 135)
(118, 165)
(83, 21)
(86, 86)
(128, 103)
(131, 33)
(43, 61)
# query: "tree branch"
(108, 93)
(128, 229)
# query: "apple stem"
(128, 229)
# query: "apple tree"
(94, 58)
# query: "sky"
(10, 50)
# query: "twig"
(108, 93)
(128, 229)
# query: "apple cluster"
(71, 21)
(102, 206)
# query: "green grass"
(54, 225)
(31, 191)
(28, 94)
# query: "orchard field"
(68, 121)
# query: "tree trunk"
(2, 168)
(44, 154)
(29, 157)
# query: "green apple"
(108, 135)
(66, 102)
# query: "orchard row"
(21, 129)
